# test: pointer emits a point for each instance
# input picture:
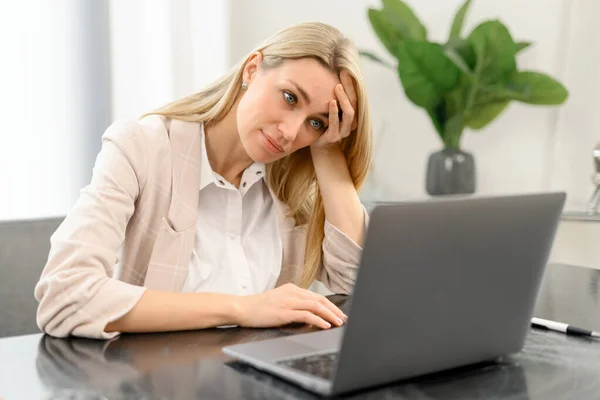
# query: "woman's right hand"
(286, 304)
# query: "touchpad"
(321, 340)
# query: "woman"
(223, 207)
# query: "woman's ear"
(253, 66)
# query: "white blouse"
(238, 248)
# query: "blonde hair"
(293, 178)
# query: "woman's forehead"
(311, 78)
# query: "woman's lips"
(270, 144)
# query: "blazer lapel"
(174, 243)
(185, 154)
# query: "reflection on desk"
(187, 365)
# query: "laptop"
(442, 284)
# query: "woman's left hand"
(337, 130)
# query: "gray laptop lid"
(454, 282)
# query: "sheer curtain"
(162, 50)
(54, 102)
(71, 67)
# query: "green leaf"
(523, 45)
(495, 51)
(404, 19)
(464, 48)
(528, 87)
(458, 61)
(459, 19)
(385, 31)
(438, 118)
(376, 58)
(542, 89)
(456, 99)
(482, 115)
(425, 72)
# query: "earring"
(244, 86)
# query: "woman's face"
(285, 108)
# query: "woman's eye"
(289, 98)
(316, 124)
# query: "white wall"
(513, 154)
(577, 133)
(578, 125)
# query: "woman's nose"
(291, 126)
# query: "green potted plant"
(466, 82)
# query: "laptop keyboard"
(321, 365)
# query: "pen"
(562, 327)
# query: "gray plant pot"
(450, 171)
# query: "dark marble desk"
(190, 365)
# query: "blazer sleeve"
(341, 258)
(77, 293)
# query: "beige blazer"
(133, 228)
